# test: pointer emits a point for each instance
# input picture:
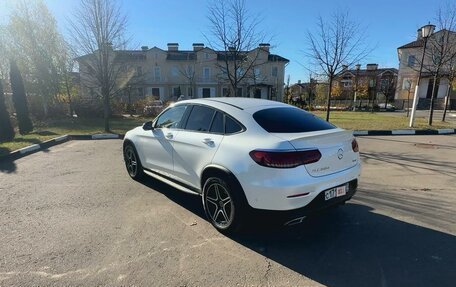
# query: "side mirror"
(148, 126)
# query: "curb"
(52, 142)
(404, 132)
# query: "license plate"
(336, 192)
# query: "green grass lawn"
(58, 127)
(377, 121)
(343, 119)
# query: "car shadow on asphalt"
(347, 246)
(189, 201)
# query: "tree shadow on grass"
(347, 246)
(44, 133)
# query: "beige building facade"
(166, 75)
(410, 56)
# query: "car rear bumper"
(280, 190)
(316, 205)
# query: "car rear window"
(290, 120)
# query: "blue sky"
(388, 23)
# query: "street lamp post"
(426, 32)
(358, 66)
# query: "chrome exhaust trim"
(295, 221)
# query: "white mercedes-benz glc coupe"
(243, 155)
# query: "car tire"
(132, 162)
(223, 204)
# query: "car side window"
(217, 126)
(171, 118)
(200, 119)
(231, 126)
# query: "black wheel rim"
(219, 205)
(131, 161)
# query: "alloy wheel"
(219, 205)
(131, 161)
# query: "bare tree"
(451, 75)
(235, 32)
(188, 72)
(388, 86)
(441, 50)
(334, 44)
(98, 29)
(65, 69)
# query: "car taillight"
(287, 159)
(355, 146)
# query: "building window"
(257, 72)
(225, 92)
(206, 55)
(406, 84)
(141, 92)
(239, 92)
(206, 73)
(206, 92)
(174, 71)
(240, 72)
(138, 71)
(346, 81)
(157, 73)
(436, 59)
(189, 70)
(411, 61)
(177, 92)
(274, 71)
(386, 83)
(190, 93)
(156, 92)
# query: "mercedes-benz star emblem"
(340, 153)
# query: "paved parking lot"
(71, 216)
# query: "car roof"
(235, 102)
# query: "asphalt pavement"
(71, 216)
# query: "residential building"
(371, 83)
(198, 73)
(410, 56)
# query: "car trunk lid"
(335, 146)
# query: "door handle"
(169, 136)
(208, 141)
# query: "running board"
(169, 182)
